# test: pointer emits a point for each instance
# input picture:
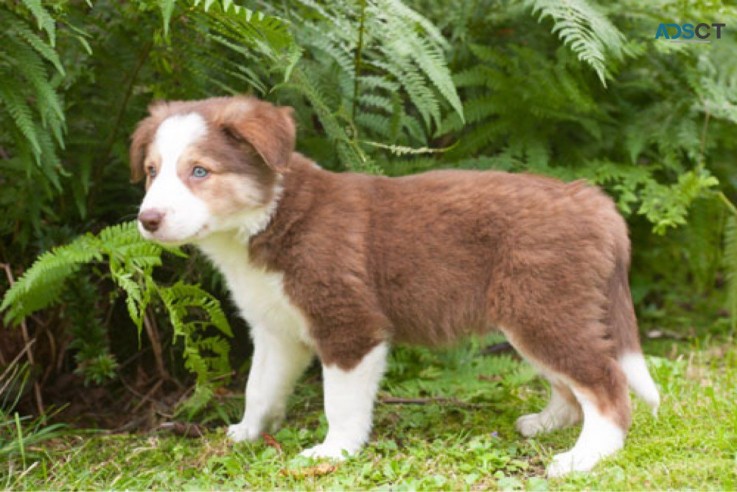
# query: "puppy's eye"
(199, 172)
(151, 171)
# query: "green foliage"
(377, 74)
(584, 29)
(92, 355)
(32, 119)
(730, 264)
(192, 311)
(131, 262)
(21, 438)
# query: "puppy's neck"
(239, 229)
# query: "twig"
(732, 208)
(3, 362)
(26, 340)
(52, 350)
(393, 400)
(497, 348)
(17, 358)
(15, 369)
(147, 396)
(153, 335)
(26, 471)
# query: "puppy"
(342, 266)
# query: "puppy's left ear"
(140, 141)
(269, 129)
(142, 138)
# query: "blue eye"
(199, 172)
(151, 171)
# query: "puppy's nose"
(151, 219)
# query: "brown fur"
(429, 258)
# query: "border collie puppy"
(342, 266)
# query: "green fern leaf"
(44, 20)
(585, 30)
(21, 31)
(42, 282)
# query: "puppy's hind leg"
(562, 411)
(583, 365)
(278, 361)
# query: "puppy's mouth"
(161, 237)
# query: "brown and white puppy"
(341, 266)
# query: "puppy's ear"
(143, 136)
(269, 129)
(139, 144)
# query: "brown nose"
(151, 219)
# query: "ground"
(445, 421)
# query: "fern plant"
(380, 75)
(32, 114)
(131, 262)
(368, 71)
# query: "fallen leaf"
(271, 441)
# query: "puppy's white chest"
(259, 294)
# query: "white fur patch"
(277, 363)
(349, 403)
(558, 414)
(283, 347)
(600, 437)
(259, 294)
(639, 379)
(185, 215)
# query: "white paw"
(243, 432)
(327, 450)
(570, 462)
(531, 425)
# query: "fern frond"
(184, 297)
(667, 206)
(20, 112)
(268, 34)
(21, 31)
(31, 68)
(44, 20)
(585, 30)
(42, 282)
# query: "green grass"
(464, 441)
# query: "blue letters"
(688, 31)
(663, 31)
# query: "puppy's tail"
(623, 323)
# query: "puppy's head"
(209, 165)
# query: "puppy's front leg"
(349, 403)
(278, 360)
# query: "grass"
(462, 437)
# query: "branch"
(27, 340)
